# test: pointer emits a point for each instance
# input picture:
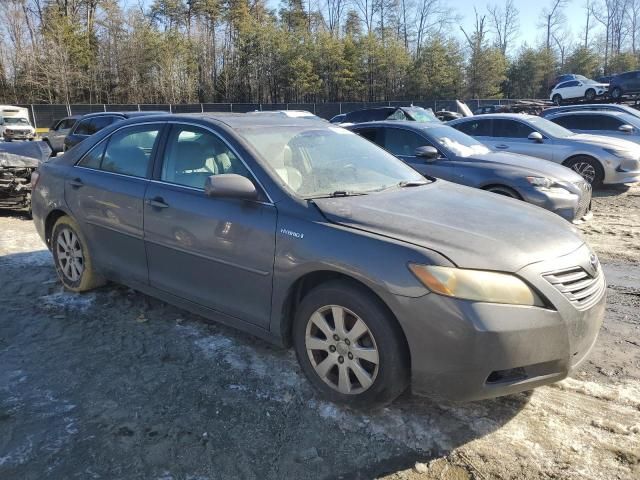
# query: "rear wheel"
(72, 258)
(589, 168)
(616, 93)
(349, 346)
(557, 99)
(590, 94)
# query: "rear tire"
(557, 99)
(589, 168)
(350, 346)
(616, 93)
(73, 261)
(590, 94)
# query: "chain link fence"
(43, 116)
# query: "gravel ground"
(114, 384)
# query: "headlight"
(478, 285)
(620, 153)
(541, 182)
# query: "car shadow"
(22, 214)
(610, 190)
(158, 388)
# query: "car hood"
(23, 155)
(473, 228)
(606, 142)
(530, 166)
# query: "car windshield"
(549, 128)
(16, 121)
(421, 114)
(319, 162)
(456, 142)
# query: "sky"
(530, 13)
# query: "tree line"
(201, 51)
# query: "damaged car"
(18, 161)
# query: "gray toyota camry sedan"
(306, 234)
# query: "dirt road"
(114, 384)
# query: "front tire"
(590, 95)
(350, 346)
(557, 99)
(589, 168)
(72, 258)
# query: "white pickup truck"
(14, 124)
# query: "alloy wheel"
(69, 253)
(586, 170)
(342, 349)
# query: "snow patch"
(68, 300)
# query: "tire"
(616, 93)
(590, 94)
(380, 340)
(503, 190)
(557, 99)
(589, 168)
(67, 241)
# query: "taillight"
(35, 176)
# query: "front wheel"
(589, 168)
(557, 99)
(349, 346)
(72, 258)
(590, 94)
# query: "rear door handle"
(502, 146)
(76, 183)
(157, 202)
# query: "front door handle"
(76, 183)
(502, 146)
(157, 202)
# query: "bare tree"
(611, 14)
(505, 23)
(432, 18)
(335, 11)
(553, 18)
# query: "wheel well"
(308, 282)
(51, 220)
(505, 187)
(574, 157)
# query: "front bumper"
(574, 207)
(628, 171)
(463, 350)
(18, 135)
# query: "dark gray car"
(441, 151)
(304, 233)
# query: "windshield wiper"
(338, 193)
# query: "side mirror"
(230, 185)
(429, 153)
(626, 128)
(535, 136)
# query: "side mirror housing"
(625, 128)
(427, 152)
(230, 185)
(535, 136)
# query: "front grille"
(581, 288)
(584, 204)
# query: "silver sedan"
(599, 159)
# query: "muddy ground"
(114, 384)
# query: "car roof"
(125, 114)
(490, 116)
(240, 120)
(612, 113)
(409, 124)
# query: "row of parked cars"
(572, 87)
(377, 271)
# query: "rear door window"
(83, 127)
(129, 150)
